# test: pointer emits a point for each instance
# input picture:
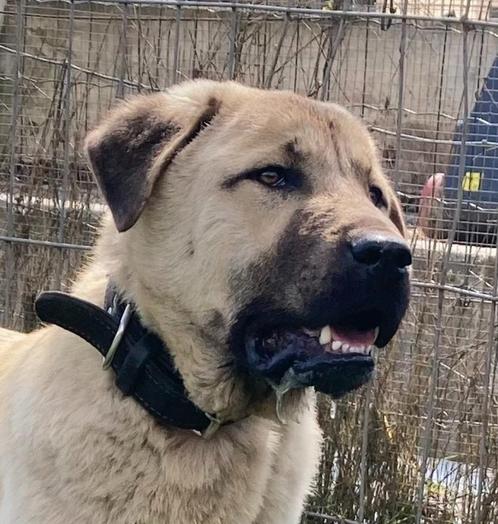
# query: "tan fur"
(7, 335)
(72, 449)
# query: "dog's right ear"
(396, 212)
(134, 146)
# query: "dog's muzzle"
(329, 344)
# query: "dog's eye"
(278, 177)
(376, 196)
(272, 178)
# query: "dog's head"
(263, 241)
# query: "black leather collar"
(140, 360)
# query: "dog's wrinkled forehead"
(293, 129)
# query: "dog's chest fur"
(101, 459)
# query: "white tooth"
(325, 335)
(345, 348)
(336, 345)
(376, 333)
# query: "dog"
(257, 241)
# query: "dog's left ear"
(396, 213)
(134, 146)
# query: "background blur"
(420, 444)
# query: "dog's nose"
(373, 250)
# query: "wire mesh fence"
(420, 443)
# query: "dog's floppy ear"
(135, 145)
(396, 213)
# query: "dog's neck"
(203, 361)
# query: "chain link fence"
(420, 443)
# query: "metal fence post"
(234, 27)
(444, 270)
(67, 124)
(176, 57)
(123, 66)
(16, 110)
(401, 92)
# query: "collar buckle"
(123, 323)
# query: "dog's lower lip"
(300, 361)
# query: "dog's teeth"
(325, 335)
(336, 345)
(377, 330)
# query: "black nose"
(375, 250)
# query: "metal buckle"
(107, 361)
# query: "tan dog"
(244, 217)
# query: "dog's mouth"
(335, 358)
(336, 340)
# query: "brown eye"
(279, 178)
(272, 179)
(376, 196)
